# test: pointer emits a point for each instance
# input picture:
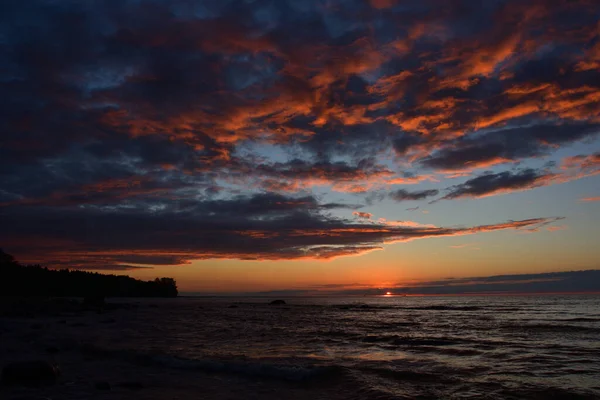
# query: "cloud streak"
(262, 227)
(590, 199)
(405, 195)
(503, 182)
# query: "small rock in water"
(102, 385)
(30, 373)
(277, 302)
(233, 306)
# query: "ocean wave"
(445, 308)
(432, 307)
(553, 393)
(252, 369)
(408, 375)
(255, 369)
(582, 319)
(459, 351)
(410, 341)
(363, 307)
(567, 328)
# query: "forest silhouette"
(35, 280)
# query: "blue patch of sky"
(338, 27)
(517, 205)
(268, 18)
(105, 77)
(267, 151)
(198, 10)
(245, 70)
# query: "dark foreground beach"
(376, 348)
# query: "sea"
(383, 347)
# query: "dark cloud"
(508, 145)
(404, 195)
(404, 142)
(494, 183)
(264, 226)
(299, 174)
(217, 75)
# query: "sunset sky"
(243, 146)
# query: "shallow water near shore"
(503, 347)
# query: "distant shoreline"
(19, 280)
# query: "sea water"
(497, 347)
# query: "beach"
(351, 348)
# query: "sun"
(388, 293)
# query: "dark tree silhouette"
(6, 259)
(35, 280)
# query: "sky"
(250, 146)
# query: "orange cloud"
(590, 199)
(462, 246)
(410, 224)
(363, 215)
(587, 163)
(557, 228)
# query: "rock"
(52, 350)
(102, 385)
(30, 373)
(277, 302)
(232, 306)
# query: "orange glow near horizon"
(400, 265)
